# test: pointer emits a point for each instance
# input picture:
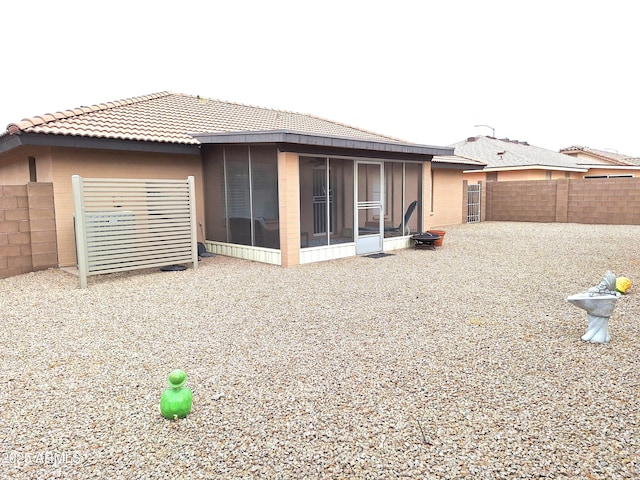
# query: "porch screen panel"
(395, 205)
(320, 197)
(238, 195)
(341, 187)
(313, 202)
(413, 191)
(241, 192)
(264, 188)
(326, 201)
(215, 194)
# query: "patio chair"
(407, 216)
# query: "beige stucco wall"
(474, 177)
(14, 168)
(610, 171)
(289, 200)
(584, 157)
(519, 175)
(113, 164)
(14, 173)
(536, 174)
(14, 165)
(509, 175)
(447, 198)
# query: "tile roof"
(171, 117)
(505, 153)
(612, 157)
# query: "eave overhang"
(602, 166)
(300, 142)
(530, 167)
(9, 142)
(465, 167)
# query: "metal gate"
(473, 203)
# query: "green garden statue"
(175, 402)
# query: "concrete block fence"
(27, 229)
(612, 201)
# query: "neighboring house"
(602, 163)
(507, 160)
(272, 186)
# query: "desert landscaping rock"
(460, 362)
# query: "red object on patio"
(441, 234)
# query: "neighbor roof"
(500, 154)
(171, 117)
(613, 157)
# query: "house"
(602, 163)
(272, 186)
(512, 160)
(506, 159)
(525, 183)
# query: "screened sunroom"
(288, 198)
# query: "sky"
(552, 73)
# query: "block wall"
(27, 229)
(605, 201)
(612, 201)
(524, 201)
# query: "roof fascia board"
(535, 167)
(603, 166)
(350, 152)
(299, 138)
(104, 144)
(465, 167)
(9, 142)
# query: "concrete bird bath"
(598, 302)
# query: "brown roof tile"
(613, 157)
(171, 117)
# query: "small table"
(425, 240)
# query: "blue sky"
(553, 73)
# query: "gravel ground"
(462, 362)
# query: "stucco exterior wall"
(14, 165)
(14, 170)
(518, 175)
(447, 196)
(535, 174)
(587, 158)
(289, 201)
(474, 177)
(113, 164)
(610, 171)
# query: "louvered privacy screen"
(128, 224)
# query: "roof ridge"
(14, 128)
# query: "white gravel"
(463, 362)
